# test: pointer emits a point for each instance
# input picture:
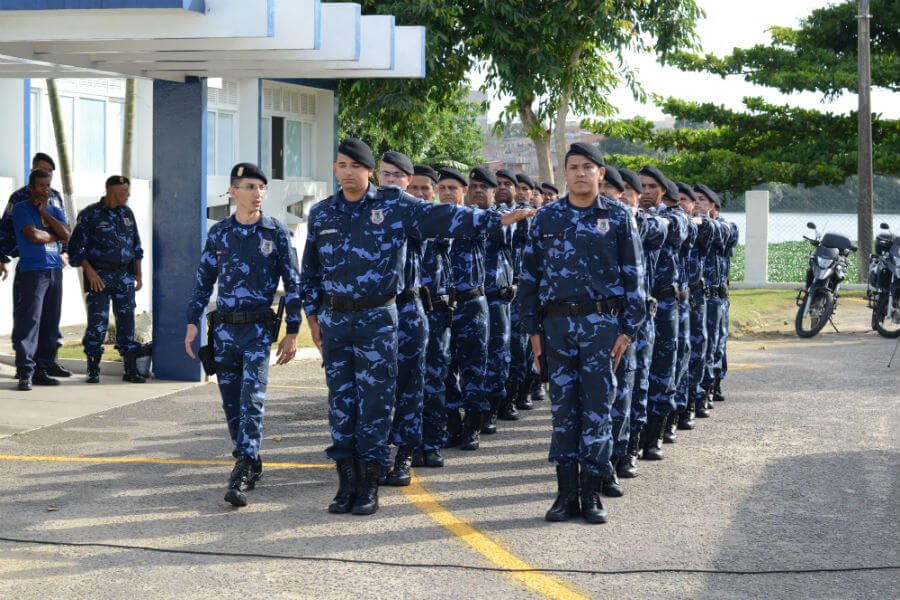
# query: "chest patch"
(377, 216)
(266, 247)
(127, 221)
(603, 226)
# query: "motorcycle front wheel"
(810, 321)
(881, 322)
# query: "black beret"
(248, 171)
(484, 176)
(359, 151)
(713, 197)
(399, 160)
(507, 174)
(631, 178)
(589, 151)
(117, 180)
(649, 171)
(550, 188)
(448, 173)
(41, 156)
(523, 178)
(426, 171)
(614, 179)
(686, 190)
(671, 192)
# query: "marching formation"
(443, 303)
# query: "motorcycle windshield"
(824, 252)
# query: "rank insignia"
(603, 225)
(266, 247)
(377, 216)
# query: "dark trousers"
(37, 303)
(118, 287)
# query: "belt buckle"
(572, 309)
(613, 309)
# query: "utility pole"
(864, 198)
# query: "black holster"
(206, 354)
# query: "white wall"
(12, 131)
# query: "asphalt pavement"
(796, 472)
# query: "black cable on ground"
(381, 563)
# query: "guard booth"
(219, 82)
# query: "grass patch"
(761, 311)
(787, 263)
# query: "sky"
(729, 24)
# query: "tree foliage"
(736, 151)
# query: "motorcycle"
(883, 291)
(827, 270)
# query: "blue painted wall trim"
(358, 52)
(318, 39)
(393, 45)
(270, 18)
(179, 219)
(191, 5)
(26, 158)
(319, 84)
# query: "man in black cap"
(246, 253)
(351, 308)
(423, 183)
(524, 186)
(550, 192)
(612, 185)
(107, 246)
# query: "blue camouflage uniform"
(435, 277)
(661, 393)
(352, 272)
(247, 261)
(8, 247)
(499, 291)
(653, 232)
(520, 358)
(707, 234)
(684, 313)
(108, 239)
(714, 276)
(582, 256)
(721, 358)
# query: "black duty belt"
(109, 266)
(241, 318)
(354, 304)
(407, 296)
(718, 290)
(699, 286)
(505, 294)
(470, 295)
(441, 304)
(670, 291)
(611, 306)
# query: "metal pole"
(864, 198)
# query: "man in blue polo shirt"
(40, 229)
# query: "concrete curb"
(76, 365)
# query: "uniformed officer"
(247, 253)
(40, 229)
(106, 245)
(653, 229)
(665, 289)
(9, 249)
(423, 183)
(581, 288)
(720, 360)
(352, 273)
(550, 192)
(514, 193)
(412, 337)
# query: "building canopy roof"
(175, 39)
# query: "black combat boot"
(566, 504)
(366, 502)
(348, 480)
(130, 369)
(686, 418)
(256, 472)
(489, 426)
(652, 437)
(508, 410)
(24, 384)
(670, 435)
(239, 482)
(433, 459)
(93, 369)
(702, 405)
(454, 428)
(383, 475)
(523, 402)
(717, 391)
(591, 506)
(41, 377)
(609, 484)
(538, 393)
(470, 428)
(627, 466)
(418, 457)
(55, 369)
(400, 475)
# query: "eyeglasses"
(392, 174)
(252, 188)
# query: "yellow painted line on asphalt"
(298, 387)
(545, 585)
(156, 461)
(745, 366)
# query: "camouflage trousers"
(520, 357)
(119, 288)
(661, 394)
(412, 338)
(683, 361)
(497, 366)
(582, 389)
(722, 353)
(468, 356)
(621, 408)
(698, 345)
(437, 363)
(360, 356)
(242, 369)
(643, 357)
(714, 311)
